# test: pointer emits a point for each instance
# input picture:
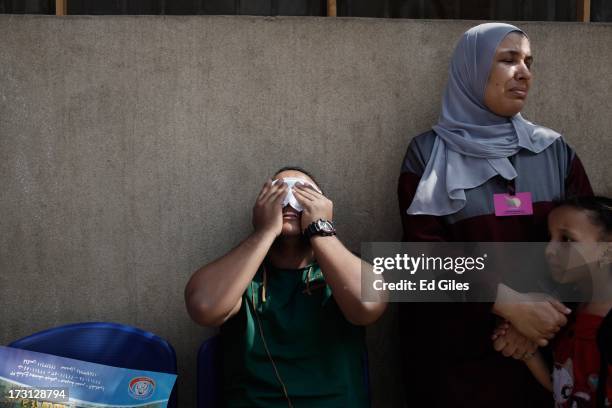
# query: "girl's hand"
(316, 205)
(512, 343)
(268, 209)
(500, 330)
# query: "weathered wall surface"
(131, 148)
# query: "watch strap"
(315, 229)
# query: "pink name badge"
(508, 205)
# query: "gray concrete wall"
(131, 148)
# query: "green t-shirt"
(317, 352)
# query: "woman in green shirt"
(287, 299)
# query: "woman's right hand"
(535, 315)
(268, 210)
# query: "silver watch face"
(325, 226)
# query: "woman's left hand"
(316, 205)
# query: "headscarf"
(473, 144)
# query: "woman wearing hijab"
(480, 147)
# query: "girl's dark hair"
(301, 170)
(599, 209)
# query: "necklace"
(265, 285)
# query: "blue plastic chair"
(209, 367)
(106, 343)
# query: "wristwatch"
(320, 227)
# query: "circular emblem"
(141, 388)
(513, 202)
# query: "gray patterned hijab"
(473, 144)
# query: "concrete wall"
(131, 148)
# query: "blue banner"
(27, 379)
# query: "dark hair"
(301, 170)
(599, 209)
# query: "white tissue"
(290, 198)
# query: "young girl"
(582, 372)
